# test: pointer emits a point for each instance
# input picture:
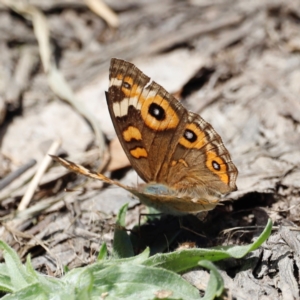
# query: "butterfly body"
(170, 201)
(179, 155)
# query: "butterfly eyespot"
(190, 135)
(216, 165)
(157, 112)
(126, 85)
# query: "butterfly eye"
(216, 165)
(157, 112)
(190, 135)
(126, 85)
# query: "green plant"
(122, 276)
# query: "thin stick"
(101, 9)
(13, 175)
(37, 177)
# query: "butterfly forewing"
(122, 100)
(146, 118)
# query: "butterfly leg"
(188, 229)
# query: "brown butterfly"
(180, 156)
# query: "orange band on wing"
(200, 140)
(139, 152)
(217, 165)
(132, 133)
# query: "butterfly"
(181, 158)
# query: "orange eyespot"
(128, 87)
(158, 114)
(193, 137)
(217, 165)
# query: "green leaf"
(15, 270)
(128, 281)
(66, 269)
(180, 261)
(85, 286)
(29, 268)
(215, 284)
(138, 259)
(73, 276)
(241, 251)
(122, 246)
(102, 255)
(31, 292)
(23, 280)
(5, 283)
